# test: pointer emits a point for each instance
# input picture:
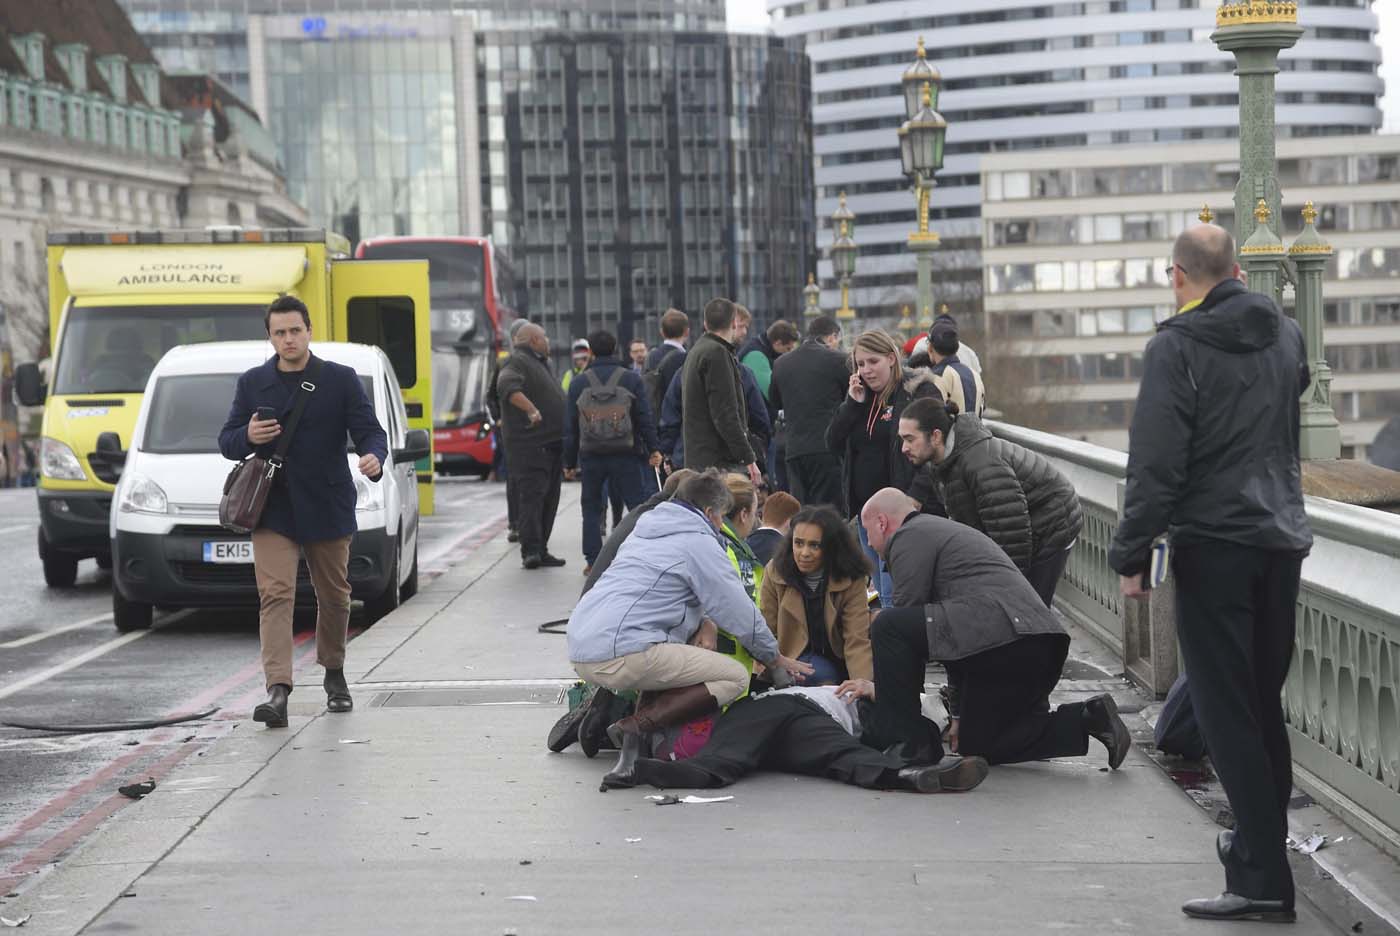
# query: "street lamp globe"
(843, 252)
(921, 139)
(813, 294)
(842, 214)
(915, 77)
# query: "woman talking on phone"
(865, 429)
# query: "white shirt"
(678, 345)
(845, 713)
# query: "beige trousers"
(275, 565)
(670, 666)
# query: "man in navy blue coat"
(311, 508)
(620, 471)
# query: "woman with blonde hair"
(738, 524)
(865, 429)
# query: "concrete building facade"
(1027, 76)
(1076, 248)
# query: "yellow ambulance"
(118, 300)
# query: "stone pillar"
(1262, 255)
(1321, 433)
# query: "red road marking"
(85, 823)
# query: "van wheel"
(388, 599)
(409, 588)
(130, 615)
(60, 569)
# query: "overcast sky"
(752, 16)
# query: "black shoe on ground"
(531, 561)
(273, 712)
(953, 774)
(594, 726)
(1234, 907)
(565, 730)
(1102, 722)
(512, 537)
(337, 691)
(1223, 843)
(551, 562)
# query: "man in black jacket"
(533, 409)
(808, 385)
(1213, 462)
(959, 600)
(715, 417)
(1005, 490)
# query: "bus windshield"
(113, 349)
(459, 386)
(456, 274)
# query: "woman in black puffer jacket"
(1008, 492)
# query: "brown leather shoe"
(657, 711)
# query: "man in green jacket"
(714, 417)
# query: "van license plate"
(235, 551)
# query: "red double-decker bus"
(471, 293)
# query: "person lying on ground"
(631, 631)
(814, 597)
(960, 600)
(812, 730)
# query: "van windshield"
(187, 412)
(114, 349)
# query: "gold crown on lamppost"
(1309, 244)
(1249, 12)
(1206, 215)
(1262, 214)
(1309, 214)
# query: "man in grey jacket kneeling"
(959, 600)
(640, 627)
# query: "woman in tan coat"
(814, 598)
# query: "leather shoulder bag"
(248, 485)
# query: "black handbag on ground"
(248, 485)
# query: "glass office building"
(629, 172)
(211, 36)
(367, 124)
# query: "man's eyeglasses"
(1171, 268)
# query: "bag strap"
(592, 379)
(303, 395)
(616, 377)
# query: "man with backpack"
(609, 437)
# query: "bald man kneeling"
(959, 600)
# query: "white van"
(168, 549)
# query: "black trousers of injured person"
(1236, 614)
(1004, 695)
(785, 733)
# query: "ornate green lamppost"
(843, 256)
(921, 140)
(1255, 32)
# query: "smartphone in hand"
(267, 412)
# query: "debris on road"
(354, 741)
(1307, 846)
(137, 790)
(690, 800)
(526, 897)
(19, 921)
(632, 841)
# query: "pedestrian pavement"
(435, 808)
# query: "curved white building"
(1024, 75)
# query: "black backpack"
(605, 416)
(651, 379)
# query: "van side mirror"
(416, 445)
(29, 385)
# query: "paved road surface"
(62, 661)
